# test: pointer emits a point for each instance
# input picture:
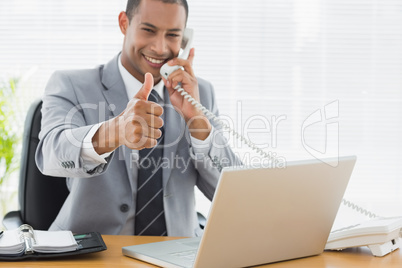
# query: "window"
(276, 66)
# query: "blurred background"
(305, 79)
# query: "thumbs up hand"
(140, 122)
(137, 126)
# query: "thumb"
(146, 89)
(191, 55)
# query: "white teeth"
(154, 60)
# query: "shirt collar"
(133, 85)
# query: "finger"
(166, 83)
(180, 78)
(181, 61)
(142, 107)
(153, 133)
(149, 143)
(144, 122)
(150, 138)
(154, 109)
(191, 56)
(186, 64)
(171, 91)
(141, 138)
(169, 85)
(139, 143)
(148, 132)
(146, 88)
(154, 121)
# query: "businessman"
(131, 147)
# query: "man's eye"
(148, 30)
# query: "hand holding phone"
(184, 78)
(186, 45)
(178, 81)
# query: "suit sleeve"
(63, 130)
(219, 154)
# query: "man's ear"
(123, 22)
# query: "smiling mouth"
(154, 61)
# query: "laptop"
(261, 215)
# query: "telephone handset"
(186, 45)
(390, 229)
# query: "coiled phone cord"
(269, 155)
(213, 117)
(359, 209)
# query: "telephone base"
(380, 250)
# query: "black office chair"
(40, 197)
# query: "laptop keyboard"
(188, 254)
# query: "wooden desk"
(113, 257)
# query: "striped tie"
(150, 216)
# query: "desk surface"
(112, 257)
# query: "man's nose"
(159, 45)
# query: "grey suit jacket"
(99, 199)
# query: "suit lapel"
(114, 90)
(116, 97)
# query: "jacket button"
(124, 208)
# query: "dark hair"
(132, 6)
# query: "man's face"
(152, 38)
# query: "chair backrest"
(40, 196)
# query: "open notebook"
(261, 216)
(25, 242)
